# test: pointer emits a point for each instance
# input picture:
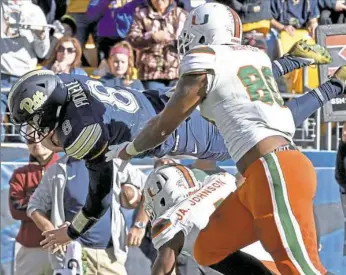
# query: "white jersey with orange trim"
(243, 98)
(193, 212)
(192, 215)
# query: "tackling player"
(234, 87)
(82, 117)
(179, 206)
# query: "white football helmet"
(166, 186)
(210, 24)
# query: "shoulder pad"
(85, 141)
(226, 180)
(222, 176)
(81, 127)
(198, 59)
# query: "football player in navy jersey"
(95, 116)
(82, 117)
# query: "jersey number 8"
(122, 99)
(260, 85)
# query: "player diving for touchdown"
(82, 117)
(234, 87)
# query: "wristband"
(80, 224)
(131, 150)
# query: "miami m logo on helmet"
(205, 20)
(210, 24)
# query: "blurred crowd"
(133, 43)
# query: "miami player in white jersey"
(179, 206)
(235, 88)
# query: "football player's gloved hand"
(118, 151)
(316, 54)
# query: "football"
(130, 196)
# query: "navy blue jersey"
(96, 116)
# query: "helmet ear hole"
(163, 202)
(43, 85)
(202, 40)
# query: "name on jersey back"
(199, 196)
(76, 92)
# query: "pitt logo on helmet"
(31, 105)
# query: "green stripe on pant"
(286, 222)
